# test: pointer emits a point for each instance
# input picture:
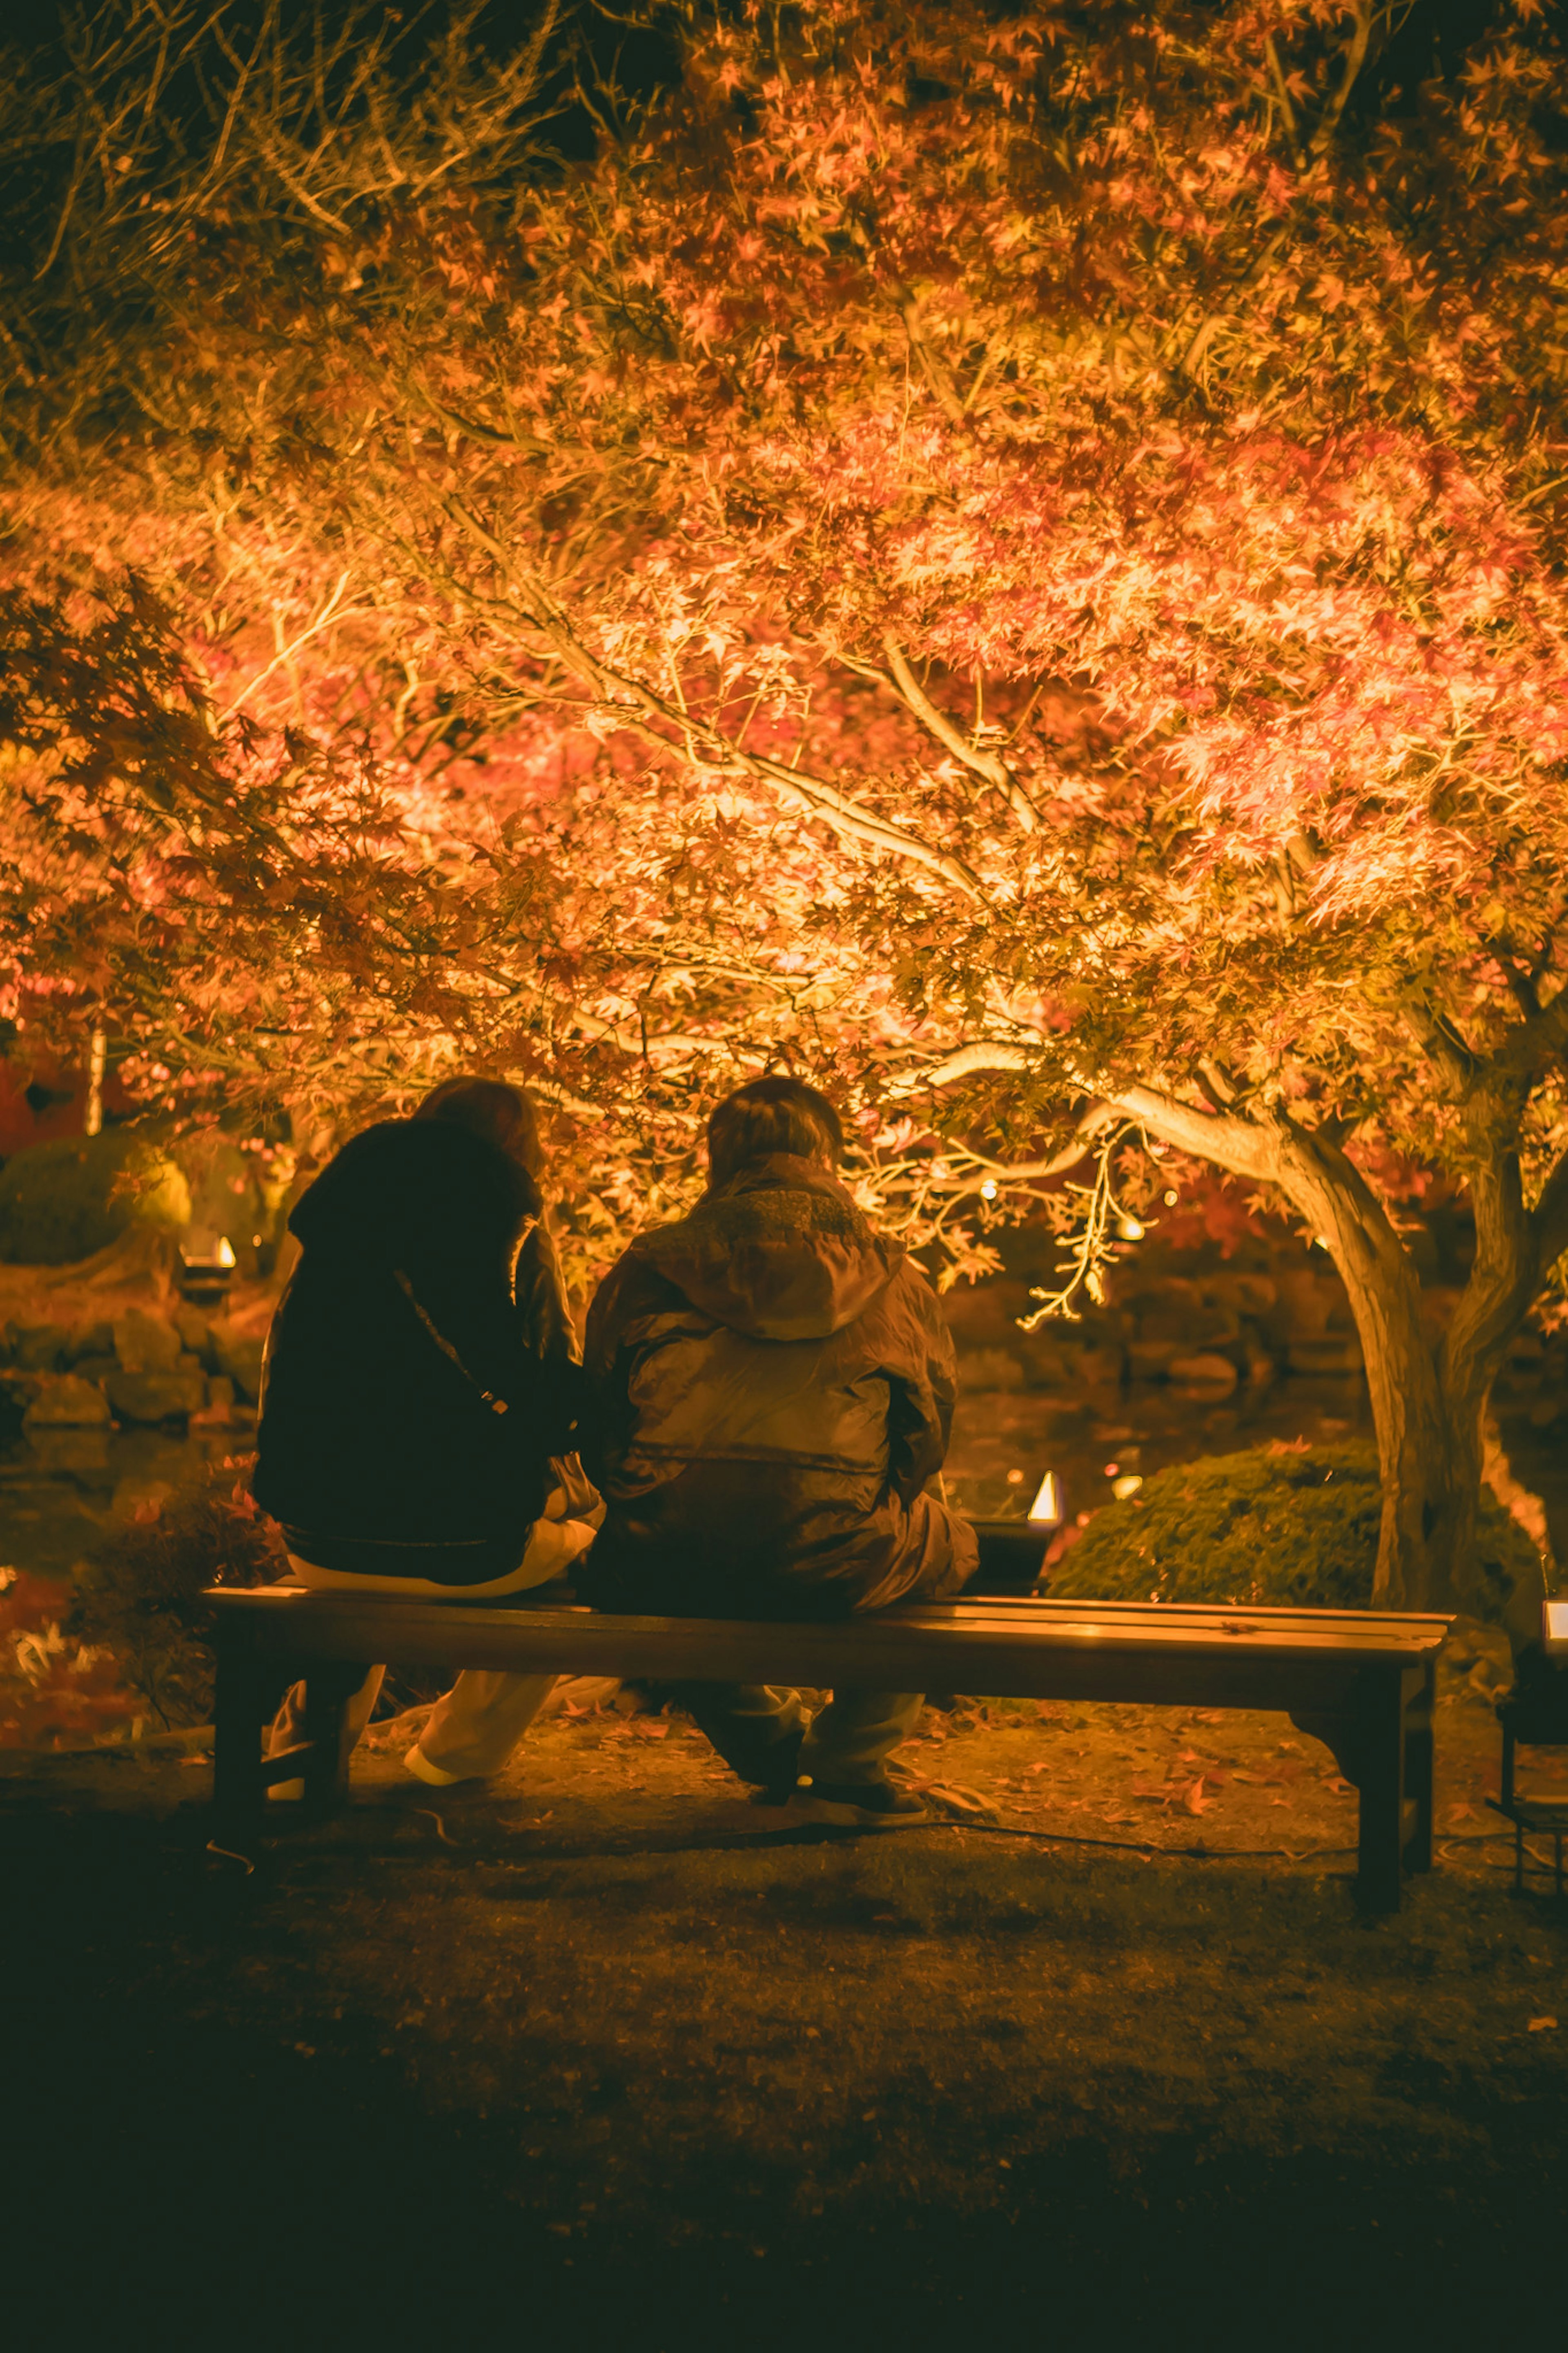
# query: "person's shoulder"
(910, 1298)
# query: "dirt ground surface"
(599, 2048)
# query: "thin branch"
(329, 613)
(1355, 58)
(974, 755)
(706, 745)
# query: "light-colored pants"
(476, 1727)
(471, 1732)
(757, 1730)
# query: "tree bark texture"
(1429, 1394)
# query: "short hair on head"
(501, 1113)
(771, 1115)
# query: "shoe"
(857, 1806)
(782, 1772)
(433, 1775)
(778, 1796)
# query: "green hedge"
(141, 1593)
(60, 1202)
(1283, 1529)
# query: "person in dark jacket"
(774, 1387)
(419, 1394)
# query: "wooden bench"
(1362, 1682)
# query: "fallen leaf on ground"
(1539, 2025)
(1193, 1800)
(954, 1798)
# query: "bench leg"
(238, 1705)
(1381, 1747)
(329, 1687)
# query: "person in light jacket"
(419, 1397)
(773, 1387)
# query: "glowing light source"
(1127, 1485)
(1046, 1511)
(1131, 1229)
(988, 1191)
(206, 1264)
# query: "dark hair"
(767, 1116)
(488, 1107)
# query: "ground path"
(577, 2052)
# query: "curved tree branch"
(701, 743)
(985, 764)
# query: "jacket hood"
(780, 1252)
(409, 1188)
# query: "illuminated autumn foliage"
(1011, 562)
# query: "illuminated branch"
(1092, 1249)
(333, 611)
(704, 746)
(974, 755)
(1233, 1144)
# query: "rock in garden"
(91, 1341)
(158, 1397)
(1203, 1371)
(240, 1360)
(988, 1369)
(1047, 1365)
(194, 1331)
(40, 1347)
(1335, 1352)
(145, 1344)
(68, 1403)
(1248, 1294)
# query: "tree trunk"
(1428, 1396)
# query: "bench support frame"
(1375, 1712)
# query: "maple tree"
(1011, 561)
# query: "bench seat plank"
(1365, 1678)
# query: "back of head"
(504, 1116)
(767, 1117)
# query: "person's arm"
(607, 1418)
(540, 1290)
(922, 1392)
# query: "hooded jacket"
(772, 1385)
(370, 1431)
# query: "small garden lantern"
(206, 1268)
(1012, 1552)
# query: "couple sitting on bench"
(768, 1390)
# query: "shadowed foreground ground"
(574, 2057)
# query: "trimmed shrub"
(139, 1594)
(60, 1202)
(1273, 1528)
